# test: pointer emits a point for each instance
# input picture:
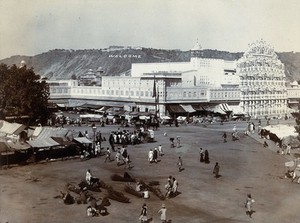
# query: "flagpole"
(155, 95)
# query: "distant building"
(254, 85)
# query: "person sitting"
(90, 179)
(146, 194)
(91, 211)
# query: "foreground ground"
(27, 192)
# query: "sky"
(30, 27)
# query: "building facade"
(254, 85)
(263, 85)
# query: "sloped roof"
(47, 132)
(12, 128)
(44, 137)
(175, 109)
(63, 141)
(4, 147)
(42, 143)
(188, 108)
(10, 147)
(18, 146)
(83, 140)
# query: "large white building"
(263, 85)
(254, 85)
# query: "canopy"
(165, 117)
(83, 140)
(188, 108)
(12, 128)
(42, 143)
(175, 109)
(286, 133)
(91, 116)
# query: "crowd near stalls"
(23, 144)
(20, 144)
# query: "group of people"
(171, 187)
(122, 155)
(144, 214)
(204, 156)
(154, 153)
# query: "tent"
(286, 133)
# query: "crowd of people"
(125, 138)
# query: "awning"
(42, 143)
(225, 107)
(18, 146)
(10, 147)
(5, 148)
(222, 109)
(83, 140)
(96, 116)
(188, 108)
(91, 106)
(63, 141)
(175, 109)
(237, 110)
(11, 128)
(164, 117)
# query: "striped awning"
(175, 109)
(188, 108)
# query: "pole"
(7, 157)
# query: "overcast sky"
(30, 27)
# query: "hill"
(63, 64)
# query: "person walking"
(179, 164)
(160, 151)
(88, 177)
(175, 186)
(150, 156)
(155, 155)
(224, 137)
(288, 149)
(206, 156)
(216, 170)
(163, 213)
(201, 152)
(108, 153)
(143, 216)
(118, 157)
(248, 205)
(127, 162)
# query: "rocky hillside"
(65, 64)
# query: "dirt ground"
(27, 192)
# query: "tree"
(23, 93)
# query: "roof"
(83, 140)
(11, 147)
(42, 143)
(63, 141)
(188, 108)
(4, 147)
(12, 128)
(175, 109)
(43, 137)
(47, 132)
(282, 130)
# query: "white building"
(255, 85)
(263, 83)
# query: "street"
(27, 192)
